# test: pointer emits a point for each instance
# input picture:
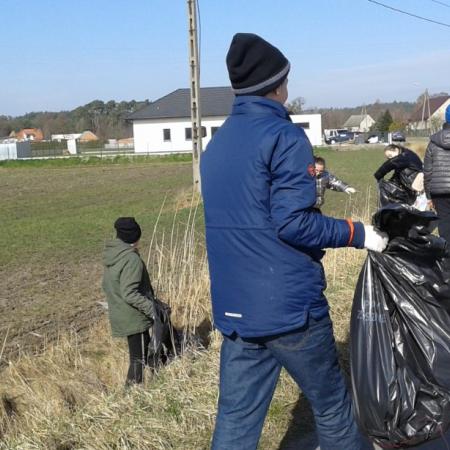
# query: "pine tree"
(384, 122)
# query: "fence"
(15, 150)
(64, 149)
(420, 133)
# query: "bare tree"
(296, 106)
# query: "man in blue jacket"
(264, 242)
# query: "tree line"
(388, 115)
(105, 119)
(108, 119)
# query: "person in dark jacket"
(408, 172)
(437, 175)
(129, 293)
(265, 241)
(326, 180)
(404, 162)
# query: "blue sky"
(59, 54)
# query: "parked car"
(373, 139)
(338, 135)
(398, 136)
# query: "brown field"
(55, 221)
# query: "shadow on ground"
(203, 332)
(301, 431)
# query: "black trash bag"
(392, 192)
(400, 333)
(164, 339)
(407, 178)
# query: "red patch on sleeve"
(311, 170)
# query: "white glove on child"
(350, 190)
(375, 240)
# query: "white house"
(312, 124)
(359, 123)
(164, 126)
(433, 116)
(65, 137)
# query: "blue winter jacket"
(264, 238)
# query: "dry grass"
(418, 145)
(72, 395)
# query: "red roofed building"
(29, 134)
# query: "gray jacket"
(436, 167)
(327, 180)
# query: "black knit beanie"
(255, 67)
(128, 230)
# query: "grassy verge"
(76, 161)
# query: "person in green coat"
(129, 293)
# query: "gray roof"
(355, 120)
(214, 101)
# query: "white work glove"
(375, 240)
(350, 190)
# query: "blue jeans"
(249, 371)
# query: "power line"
(441, 3)
(410, 14)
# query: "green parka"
(128, 290)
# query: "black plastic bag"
(400, 333)
(164, 338)
(392, 192)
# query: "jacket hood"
(442, 138)
(114, 251)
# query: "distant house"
(422, 119)
(164, 126)
(125, 142)
(359, 123)
(65, 137)
(87, 136)
(28, 134)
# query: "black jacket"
(406, 166)
(437, 164)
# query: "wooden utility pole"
(194, 77)
(426, 103)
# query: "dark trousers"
(442, 206)
(138, 349)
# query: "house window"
(304, 125)
(188, 133)
(214, 130)
(166, 135)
